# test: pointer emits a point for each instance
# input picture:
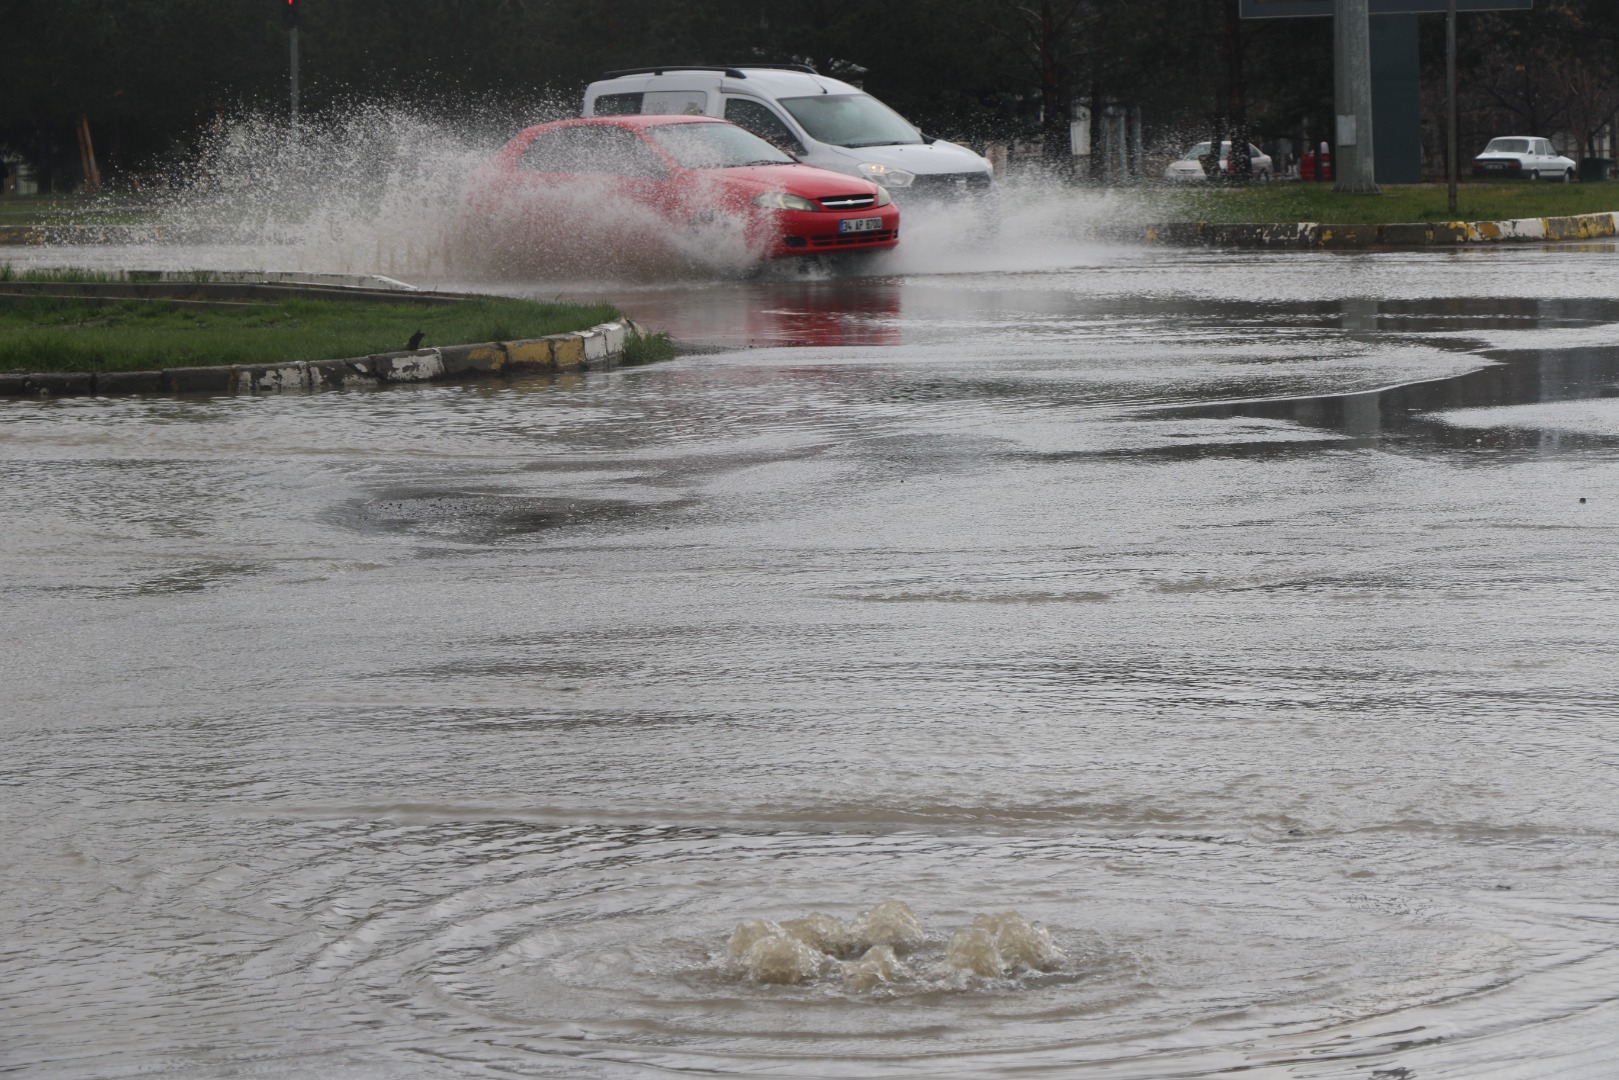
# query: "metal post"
(1354, 163)
(292, 36)
(1135, 136)
(1107, 149)
(1450, 89)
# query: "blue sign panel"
(1292, 9)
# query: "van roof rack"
(732, 70)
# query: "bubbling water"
(865, 953)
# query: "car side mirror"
(928, 140)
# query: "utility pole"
(1450, 89)
(289, 19)
(1352, 63)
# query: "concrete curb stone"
(1317, 236)
(200, 380)
(127, 382)
(600, 346)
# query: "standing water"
(1084, 662)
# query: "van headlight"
(883, 197)
(886, 175)
(782, 200)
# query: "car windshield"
(851, 120)
(1202, 150)
(1507, 146)
(715, 146)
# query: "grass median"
(47, 333)
(1285, 201)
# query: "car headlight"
(883, 197)
(886, 175)
(782, 200)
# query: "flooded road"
(1244, 621)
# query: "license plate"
(860, 224)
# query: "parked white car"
(1523, 157)
(1189, 167)
(818, 120)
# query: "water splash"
(386, 189)
(865, 953)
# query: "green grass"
(108, 208)
(69, 275)
(63, 334)
(647, 349)
(1485, 201)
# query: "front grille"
(951, 184)
(848, 202)
(878, 237)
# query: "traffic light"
(289, 14)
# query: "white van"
(820, 121)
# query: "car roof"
(766, 82)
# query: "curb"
(1314, 236)
(599, 347)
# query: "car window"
(1200, 150)
(591, 148)
(1507, 146)
(758, 118)
(618, 105)
(851, 120)
(675, 103)
(715, 146)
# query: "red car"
(681, 182)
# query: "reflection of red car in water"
(638, 180)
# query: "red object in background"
(1307, 167)
(1324, 169)
(633, 175)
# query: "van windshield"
(851, 120)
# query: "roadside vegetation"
(40, 333)
(1304, 201)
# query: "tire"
(1534, 174)
(1262, 176)
(1568, 176)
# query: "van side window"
(675, 103)
(593, 148)
(618, 105)
(757, 118)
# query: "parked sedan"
(1190, 165)
(625, 184)
(1523, 157)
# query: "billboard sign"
(1292, 9)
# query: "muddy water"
(1236, 621)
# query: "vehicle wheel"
(1568, 176)
(1534, 174)
(1263, 176)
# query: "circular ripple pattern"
(604, 949)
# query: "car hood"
(924, 159)
(805, 180)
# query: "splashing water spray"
(378, 188)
